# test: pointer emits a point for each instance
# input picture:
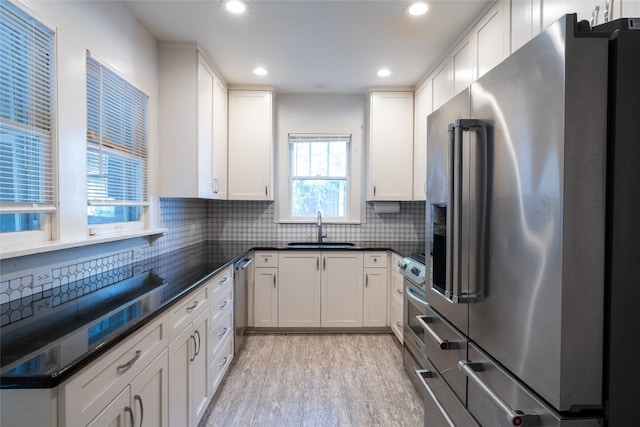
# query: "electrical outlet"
(41, 305)
(41, 277)
(137, 253)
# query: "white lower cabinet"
(397, 296)
(299, 289)
(265, 300)
(121, 385)
(189, 373)
(331, 289)
(143, 403)
(341, 289)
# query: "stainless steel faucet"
(320, 234)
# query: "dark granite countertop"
(48, 347)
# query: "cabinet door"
(342, 283)
(391, 146)
(205, 130)
(422, 110)
(250, 145)
(115, 414)
(265, 300)
(492, 35)
(464, 71)
(181, 351)
(552, 10)
(299, 288)
(442, 84)
(150, 393)
(200, 366)
(375, 297)
(219, 168)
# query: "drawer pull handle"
(398, 325)
(223, 305)
(139, 400)
(195, 348)
(224, 362)
(223, 281)
(399, 291)
(125, 367)
(199, 343)
(223, 331)
(127, 409)
(193, 307)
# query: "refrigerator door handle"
(457, 170)
(515, 417)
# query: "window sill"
(58, 245)
(324, 222)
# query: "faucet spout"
(320, 234)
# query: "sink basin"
(321, 245)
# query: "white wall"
(114, 37)
(312, 113)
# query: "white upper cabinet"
(442, 84)
(464, 65)
(390, 150)
(192, 125)
(250, 147)
(422, 110)
(492, 37)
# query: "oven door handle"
(411, 293)
(443, 344)
(421, 374)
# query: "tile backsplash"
(75, 272)
(254, 220)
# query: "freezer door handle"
(515, 417)
(422, 374)
(443, 344)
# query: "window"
(27, 182)
(117, 141)
(319, 175)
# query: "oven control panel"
(414, 271)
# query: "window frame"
(318, 138)
(48, 131)
(100, 142)
(354, 204)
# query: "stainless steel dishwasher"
(240, 290)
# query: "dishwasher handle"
(241, 265)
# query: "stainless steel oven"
(415, 307)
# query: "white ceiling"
(337, 43)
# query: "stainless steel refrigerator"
(533, 220)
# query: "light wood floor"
(317, 380)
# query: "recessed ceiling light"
(260, 71)
(417, 8)
(236, 6)
(383, 72)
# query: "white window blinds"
(27, 179)
(117, 140)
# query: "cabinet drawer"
(396, 260)
(221, 361)
(221, 304)
(221, 330)
(396, 319)
(221, 282)
(266, 259)
(85, 395)
(375, 259)
(397, 287)
(186, 310)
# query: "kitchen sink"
(321, 245)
